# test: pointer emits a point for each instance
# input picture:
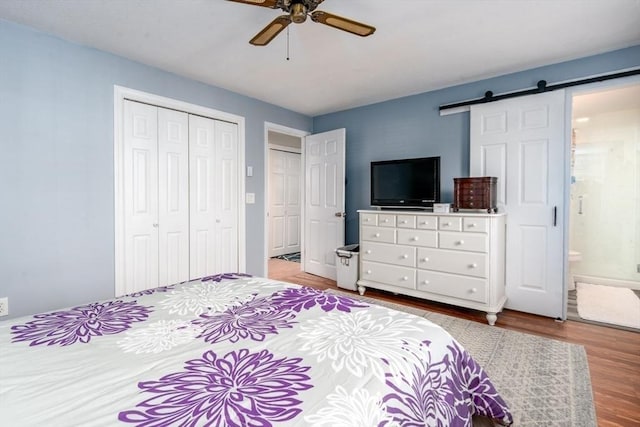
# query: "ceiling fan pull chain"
(287, 43)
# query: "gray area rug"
(545, 382)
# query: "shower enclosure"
(605, 187)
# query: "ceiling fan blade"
(270, 31)
(273, 4)
(343, 24)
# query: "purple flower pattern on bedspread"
(231, 350)
(444, 393)
(81, 323)
(254, 319)
(306, 298)
(236, 390)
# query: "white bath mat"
(609, 304)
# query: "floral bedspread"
(234, 350)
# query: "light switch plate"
(250, 198)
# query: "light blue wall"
(56, 164)
(412, 127)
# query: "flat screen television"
(406, 182)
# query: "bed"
(236, 350)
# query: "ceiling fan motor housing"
(298, 13)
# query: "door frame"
(120, 93)
(570, 92)
(299, 133)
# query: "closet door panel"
(140, 159)
(203, 196)
(173, 196)
(226, 181)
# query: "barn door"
(521, 141)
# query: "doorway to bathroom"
(604, 219)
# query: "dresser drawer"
(406, 221)
(386, 220)
(475, 242)
(425, 238)
(461, 287)
(453, 223)
(378, 234)
(390, 254)
(368, 219)
(480, 225)
(469, 264)
(392, 275)
(427, 222)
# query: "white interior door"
(140, 160)
(284, 202)
(521, 141)
(324, 201)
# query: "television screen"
(406, 182)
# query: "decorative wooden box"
(475, 193)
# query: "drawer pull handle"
(368, 251)
(368, 271)
(447, 224)
(474, 290)
(474, 265)
(426, 282)
(405, 278)
(472, 225)
(461, 242)
(425, 259)
(385, 220)
(415, 238)
(403, 222)
(376, 235)
(405, 256)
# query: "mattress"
(235, 350)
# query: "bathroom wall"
(605, 196)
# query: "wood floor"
(613, 354)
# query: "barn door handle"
(555, 216)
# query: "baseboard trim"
(607, 281)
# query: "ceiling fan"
(296, 12)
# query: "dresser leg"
(361, 289)
(491, 318)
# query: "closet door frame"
(120, 95)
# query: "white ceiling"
(419, 45)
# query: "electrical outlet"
(4, 306)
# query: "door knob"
(341, 214)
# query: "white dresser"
(455, 258)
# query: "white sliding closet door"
(181, 189)
(173, 196)
(214, 196)
(140, 196)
